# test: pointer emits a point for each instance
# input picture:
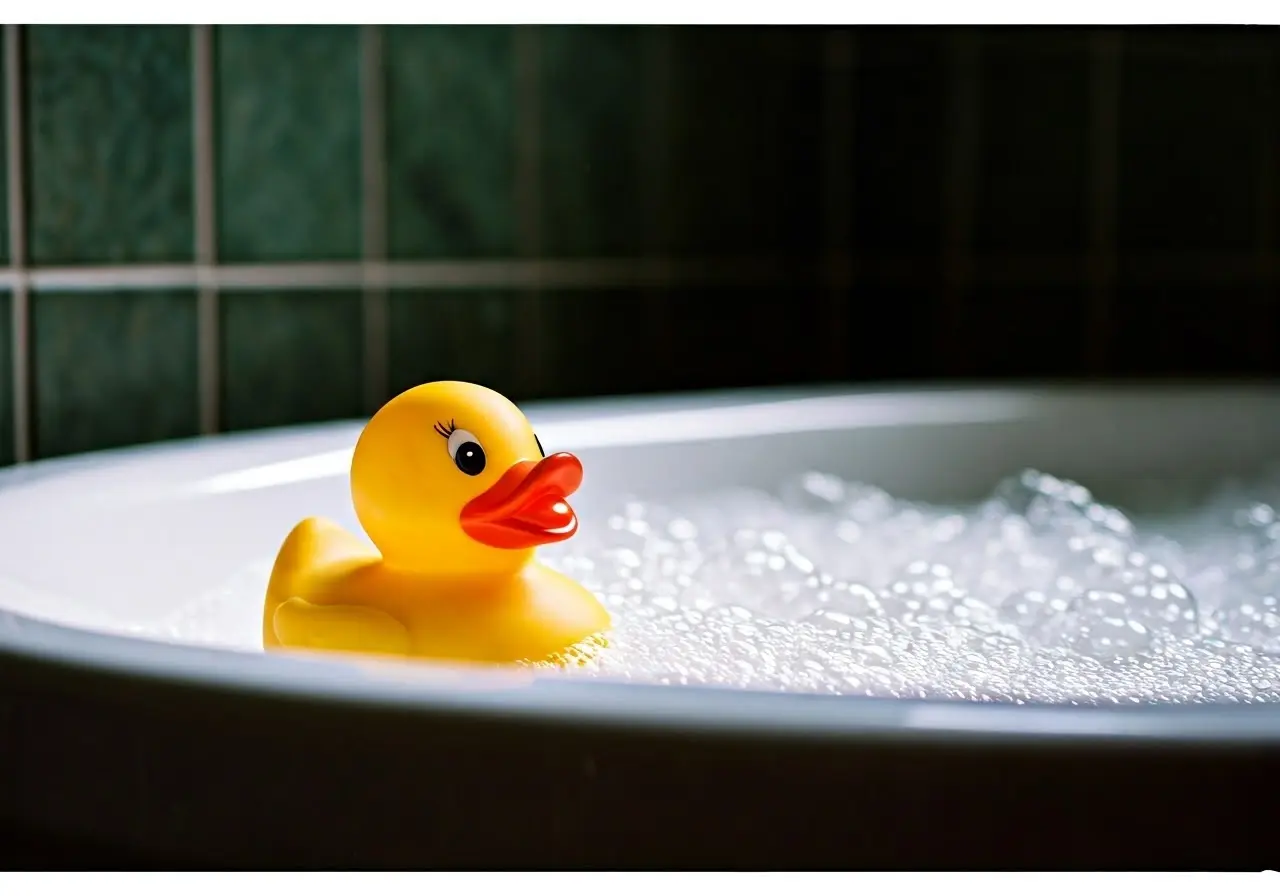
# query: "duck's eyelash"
(446, 429)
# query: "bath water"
(1039, 593)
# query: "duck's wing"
(300, 624)
(315, 553)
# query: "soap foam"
(1039, 593)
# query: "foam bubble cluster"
(1040, 593)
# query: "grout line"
(841, 53)
(1268, 158)
(1104, 126)
(965, 133)
(373, 192)
(1269, 155)
(528, 198)
(528, 149)
(627, 273)
(19, 299)
(657, 140)
(522, 274)
(208, 317)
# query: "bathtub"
(131, 750)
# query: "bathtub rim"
(114, 666)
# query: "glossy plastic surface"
(450, 485)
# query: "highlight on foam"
(1039, 593)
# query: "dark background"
(598, 210)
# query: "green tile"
(113, 368)
(1193, 330)
(291, 357)
(615, 342)
(289, 169)
(1202, 42)
(593, 144)
(6, 381)
(731, 337)
(1191, 150)
(608, 342)
(110, 144)
(468, 335)
(604, 342)
(900, 140)
(892, 332)
(1032, 190)
(4, 181)
(746, 141)
(450, 141)
(1019, 331)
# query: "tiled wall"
(227, 228)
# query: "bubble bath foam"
(1041, 593)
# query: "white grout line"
(373, 193)
(522, 274)
(208, 318)
(838, 186)
(1104, 127)
(613, 273)
(527, 70)
(19, 299)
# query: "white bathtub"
(204, 755)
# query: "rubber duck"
(453, 489)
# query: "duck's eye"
(466, 452)
(541, 450)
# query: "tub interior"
(122, 541)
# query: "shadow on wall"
(593, 210)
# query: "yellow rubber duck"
(453, 488)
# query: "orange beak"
(527, 506)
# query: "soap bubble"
(1039, 593)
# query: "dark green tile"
(1017, 331)
(893, 332)
(746, 141)
(1033, 40)
(291, 357)
(900, 140)
(110, 146)
(1203, 42)
(469, 335)
(289, 167)
(1270, 198)
(610, 342)
(450, 141)
(4, 181)
(1190, 151)
(1194, 330)
(742, 337)
(604, 342)
(1032, 190)
(113, 369)
(593, 143)
(6, 381)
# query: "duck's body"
(456, 583)
(331, 591)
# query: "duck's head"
(449, 478)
